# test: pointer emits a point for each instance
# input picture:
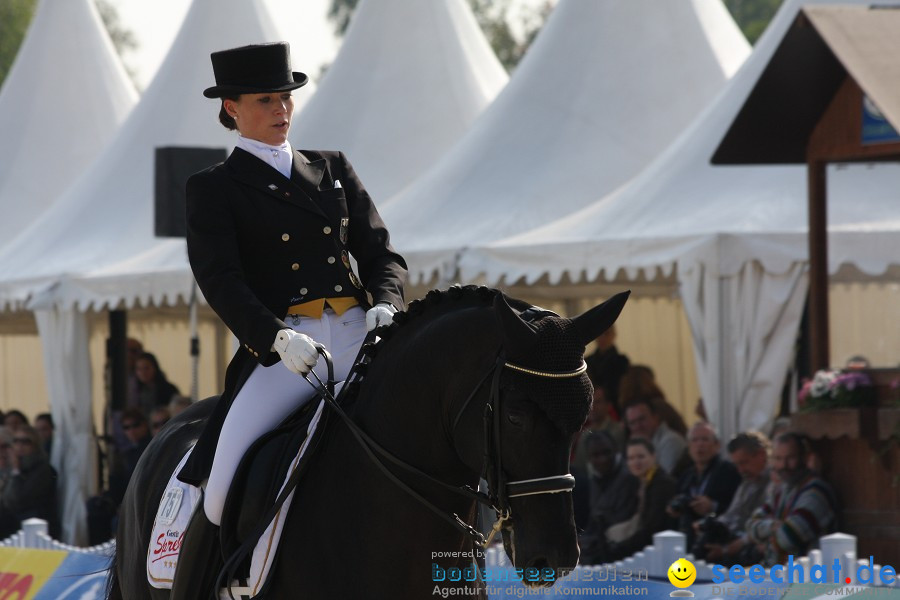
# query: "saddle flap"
(259, 478)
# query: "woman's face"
(640, 461)
(144, 371)
(263, 117)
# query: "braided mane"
(565, 402)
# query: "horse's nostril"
(538, 563)
(539, 573)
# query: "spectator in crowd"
(8, 524)
(750, 454)
(178, 404)
(797, 511)
(102, 509)
(708, 486)
(598, 419)
(30, 491)
(43, 423)
(655, 491)
(644, 421)
(153, 387)
(15, 419)
(605, 367)
(612, 492)
(159, 417)
(639, 381)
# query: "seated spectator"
(643, 420)
(43, 423)
(102, 509)
(639, 381)
(158, 418)
(797, 511)
(598, 419)
(30, 491)
(605, 367)
(14, 419)
(138, 433)
(178, 404)
(708, 486)
(612, 492)
(750, 454)
(153, 387)
(655, 491)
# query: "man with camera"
(723, 539)
(708, 486)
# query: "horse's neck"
(420, 381)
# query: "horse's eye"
(515, 419)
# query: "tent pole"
(818, 265)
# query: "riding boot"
(199, 560)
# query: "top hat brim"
(217, 91)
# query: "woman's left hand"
(380, 315)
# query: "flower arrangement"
(836, 389)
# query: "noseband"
(500, 490)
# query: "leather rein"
(500, 490)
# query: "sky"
(155, 24)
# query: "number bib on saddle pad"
(175, 510)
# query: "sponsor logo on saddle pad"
(175, 509)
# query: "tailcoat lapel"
(248, 169)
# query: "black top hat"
(254, 69)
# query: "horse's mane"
(563, 402)
(438, 302)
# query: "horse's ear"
(517, 334)
(589, 325)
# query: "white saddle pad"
(175, 509)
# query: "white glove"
(380, 314)
(297, 351)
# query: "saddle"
(272, 462)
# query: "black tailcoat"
(259, 243)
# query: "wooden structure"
(814, 104)
(808, 107)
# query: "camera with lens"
(710, 531)
(681, 503)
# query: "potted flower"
(836, 389)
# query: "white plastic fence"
(34, 535)
(653, 561)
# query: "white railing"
(34, 535)
(668, 546)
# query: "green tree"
(753, 16)
(493, 18)
(15, 15)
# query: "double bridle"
(499, 489)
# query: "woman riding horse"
(462, 385)
(269, 233)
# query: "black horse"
(463, 383)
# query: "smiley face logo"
(682, 573)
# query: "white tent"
(62, 102)
(106, 217)
(408, 81)
(735, 235)
(604, 89)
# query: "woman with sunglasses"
(30, 491)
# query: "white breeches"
(271, 393)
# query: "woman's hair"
(639, 441)
(224, 118)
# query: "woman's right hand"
(297, 351)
